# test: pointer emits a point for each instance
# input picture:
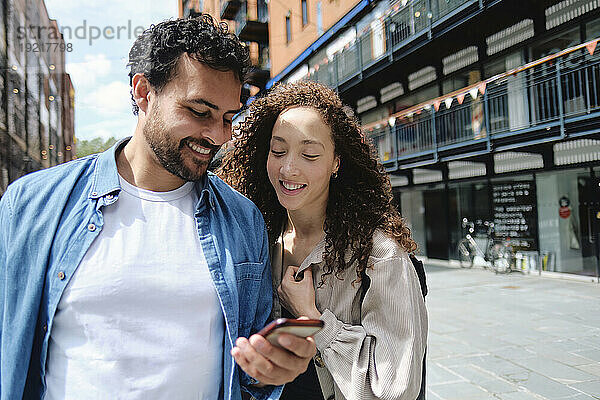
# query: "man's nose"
(219, 133)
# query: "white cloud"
(85, 74)
(98, 71)
(110, 12)
(114, 127)
(113, 98)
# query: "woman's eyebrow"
(305, 141)
(308, 141)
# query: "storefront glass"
(413, 211)
(550, 219)
(468, 200)
(568, 207)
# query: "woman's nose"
(289, 166)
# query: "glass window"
(469, 200)
(378, 114)
(592, 29)
(568, 209)
(419, 96)
(459, 80)
(555, 43)
(2, 35)
(304, 13)
(288, 28)
(319, 19)
(503, 64)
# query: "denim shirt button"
(61, 275)
(109, 196)
(91, 227)
(45, 327)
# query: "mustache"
(202, 142)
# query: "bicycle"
(497, 255)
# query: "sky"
(101, 33)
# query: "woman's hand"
(298, 297)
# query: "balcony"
(541, 102)
(229, 9)
(405, 23)
(253, 27)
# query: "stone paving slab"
(511, 336)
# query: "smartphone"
(298, 327)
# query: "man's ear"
(141, 90)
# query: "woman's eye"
(277, 153)
(311, 156)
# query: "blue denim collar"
(106, 177)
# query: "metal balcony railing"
(400, 25)
(543, 96)
(252, 26)
(229, 8)
(241, 18)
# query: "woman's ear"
(336, 164)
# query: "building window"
(304, 13)
(319, 19)
(288, 27)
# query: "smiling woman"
(301, 160)
(339, 249)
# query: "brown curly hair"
(360, 198)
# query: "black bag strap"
(365, 281)
(420, 269)
(420, 273)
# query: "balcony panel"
(543, 102)
(229, 9)
(253, 28)
(253, 31)
(441, 8)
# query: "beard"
(169, 151)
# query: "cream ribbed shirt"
(375, 351)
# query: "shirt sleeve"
(263, 312)
(383, 357)
(5, 220)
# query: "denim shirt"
(48, 220)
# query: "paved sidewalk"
(511, 336)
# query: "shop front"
(550, 219)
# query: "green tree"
(96, 145)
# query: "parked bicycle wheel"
(466, 253)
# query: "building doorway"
(589, 215)
(436, 223)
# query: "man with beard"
(136, 273)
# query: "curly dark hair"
(360, 198)
(155, 52)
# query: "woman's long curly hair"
(360, 198)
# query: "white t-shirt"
(141, 318)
